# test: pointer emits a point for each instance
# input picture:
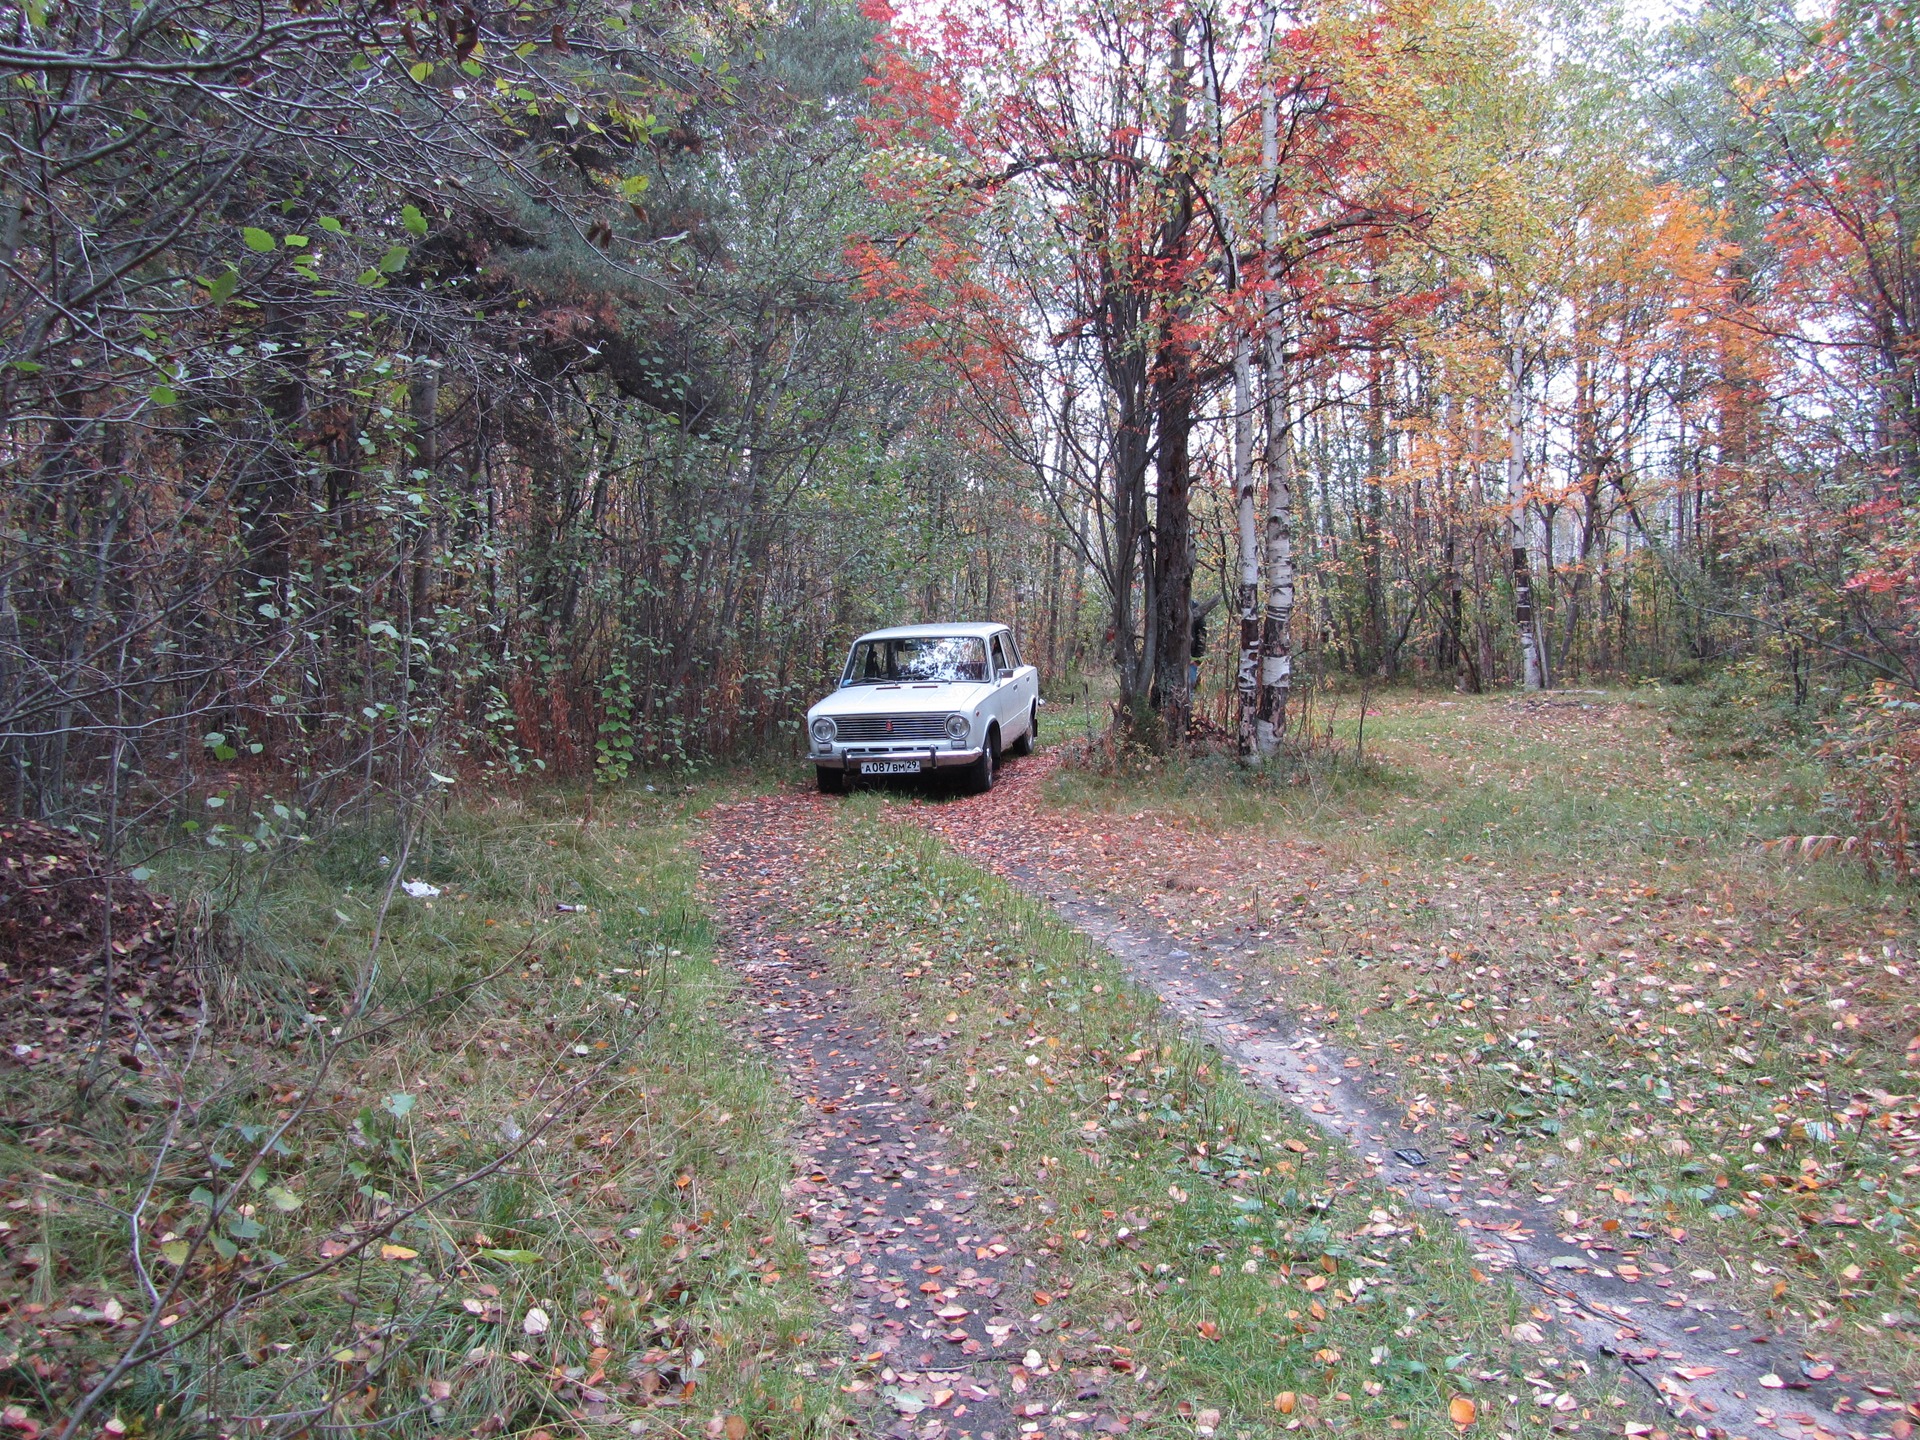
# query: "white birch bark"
(1276, 656)
(1276, 649)
(1245, 484)
(1532, 671)
(1247, 676)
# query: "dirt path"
(1717, 1373)
(910, 1260)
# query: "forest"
(395, 393)
(1455, 465)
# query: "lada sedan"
(920, 699)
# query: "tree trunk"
(1174, 552)
(1372, 517)
(1173, 545)
(1276, 653)
(424, 397)
(1247, 670)
(1532, 667)
(1587, 482)
(270, 495)
(1078, 596)
(1482, 586)
(1276, 646)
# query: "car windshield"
(920, 658)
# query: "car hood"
(904, 699)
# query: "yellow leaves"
(1462, 1411)
(398, 1252)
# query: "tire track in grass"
(1266, 1289)
(891, 1213)
(1684, 1349)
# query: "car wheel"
(1024, 745)
(979, 776)
(832, 782)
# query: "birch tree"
(1525, 621)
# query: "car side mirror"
(1002, 676)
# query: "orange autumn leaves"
(1036, 168)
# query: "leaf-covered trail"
(915, 1273)
(1715, 1372)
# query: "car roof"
(917, 632)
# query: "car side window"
(999, 658)
(1013, 650)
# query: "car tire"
(831, 782)
(1024, 745)
(978, 777)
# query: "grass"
(636, 1207)
(1197, 1247)
(1549, 925)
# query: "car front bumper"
(927, 757)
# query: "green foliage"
(583, 454)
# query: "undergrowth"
(500, 1170)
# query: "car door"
(1001, 701)
(1026, 685)
(1011, 697)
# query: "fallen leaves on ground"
(1608, 998)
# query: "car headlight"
(824, 730)
(957, 727)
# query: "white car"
(923, 698)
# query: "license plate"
(889, 767)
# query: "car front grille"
(868, 729)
